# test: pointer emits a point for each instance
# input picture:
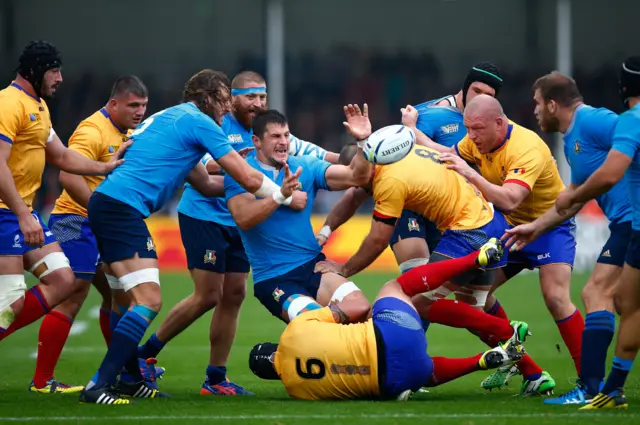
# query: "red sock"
(105, 325)
(35, 306)
(571, 330)
(498, 311)
(430, 276)
(461, 315)
(446, 369)
(528, 367)
(489, 338)
(54, 331)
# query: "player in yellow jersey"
(320, 357)
(420, 182)
(519, 176)
(27, 140)
(98, 137)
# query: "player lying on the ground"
(520, 177)
(216, 257)
(587, 134)
(280, 242)
(323, 355)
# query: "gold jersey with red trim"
(26, 125)
(96, 138)
(319, 359)
(421, 183)
(524, 159)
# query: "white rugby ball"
(389, 144)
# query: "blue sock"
(599, 328)
(123, 347)
(116, 316)
(618, 375)
(216, 374)
(151, 348)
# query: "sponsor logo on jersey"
(450, 128)
(234, 138)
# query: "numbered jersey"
(318, 359)
(166, 147)
(421, 183)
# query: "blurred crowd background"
(385, 53)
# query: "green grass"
(185, 358)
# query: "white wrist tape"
(267, 189)
(325, 231)
(279, 198)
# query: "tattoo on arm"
(338, 315)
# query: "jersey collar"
(104, 112)
(19, 87)
(505, 140)
(573, 118)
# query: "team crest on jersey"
(413, 225)
(210, 257)
(450, 128)
(150, 245)
(113, 148)
(277, 293)
(234, 138)
(34, 117)
(576, 147)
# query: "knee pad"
(411, 264)
(344, 290)
(54, 261)
(437, 294)
(298, 302)
(479, 295)
(114, 282)
(12, 288)
(138, 277)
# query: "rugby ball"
(389, 144)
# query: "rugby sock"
(430, 276)
(105, 325)
(446, 369)
(35, 306)
(618, 375)
(151, 348)
(54, 331)
(122, 350)
(596, 338)
(527, 366)
(462, 315)
(216, 374)
(115, 316)
(571, 329)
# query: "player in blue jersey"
(587, 134)
(441, 120)
(215, 254)
(623, 158)
(279, 241)
(168, 149)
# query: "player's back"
(25, 124)
(441, 120)
(97, 138)
(587, 142)
(166, 147)
(524, 159)
(421, 183)
(318, 359)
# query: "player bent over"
(385, 357)
(168, 149)
(280, 242)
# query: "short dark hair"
(266, 117)
(129, 84)
(207, 81)
(558, 87)
(347, 153)
(244, 77)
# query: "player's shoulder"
(526, 142)
(438, 107)
(630, 118)
(10, 97)
(97, 121)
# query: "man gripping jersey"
(320, 357)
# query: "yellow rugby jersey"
(421, 183)
(318, 359)
(97, 138)
(524, 159)
(25, 123)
